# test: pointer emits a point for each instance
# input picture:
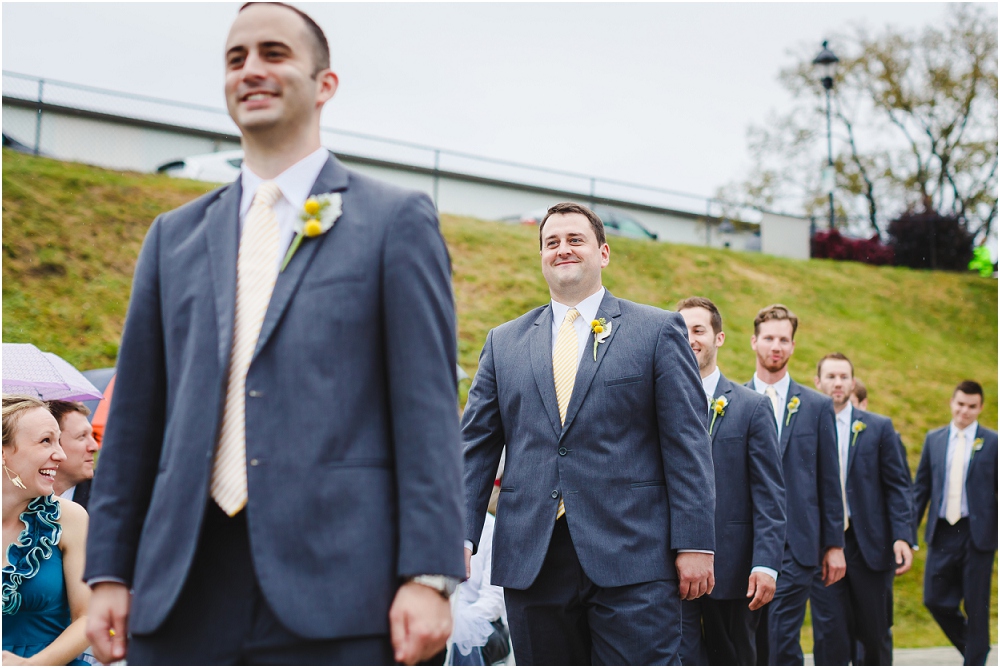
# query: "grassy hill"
(71, 235)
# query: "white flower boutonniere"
(977, 445)
(856, 429)
(602, 330)
(318, 215)
(793, 408)
(718, 410)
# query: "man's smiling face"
(271, 70)
(572, 260)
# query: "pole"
(38, 116)
(437, 164)
(829, 149)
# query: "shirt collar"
(587, 308)
(845, 414)
(781, 387)
(970, 432)
(711, 382)
(294, 183)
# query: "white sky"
(659, 94)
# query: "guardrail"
(55, 93)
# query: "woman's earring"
(15, 478)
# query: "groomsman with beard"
(807, 447)
(750, 506)
(957, 481)
(878, 531)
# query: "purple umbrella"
(27, 370)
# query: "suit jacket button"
(256, 393)
(254, 462)
(563, 451)
(555, 494)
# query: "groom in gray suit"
(606, 517)
(281, 475)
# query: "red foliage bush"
(831, 244)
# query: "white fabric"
(476, 602)
(970, 438)
(781, 389)
(710, 383)
(68, 494)
(588, 313)
(844, 438)
(256, 273)
(295, 184)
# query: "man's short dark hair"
(860, 390)
(833, 356)
(970, 387)
(321, 47)
(572, 207)
(61, 409)
(775, 312)
(705, 303)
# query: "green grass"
(72, 233)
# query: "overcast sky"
(658, 94)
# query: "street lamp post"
(826, 63)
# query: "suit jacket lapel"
(973, 456)
(788, 419)
(856, 415)
(541, 365)
(332, 178)
(725, 387)
(611, 311)
(940, 465)
(223, 230)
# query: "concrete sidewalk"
(930, 656)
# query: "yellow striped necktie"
(256, 273)
(565, 359)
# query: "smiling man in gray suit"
(749, 507)
(281, 475)
(607, 508)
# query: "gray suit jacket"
(632, 462)
(351, 426)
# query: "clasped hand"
(696, 574)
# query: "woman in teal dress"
(44, 599)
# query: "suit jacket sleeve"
(767, 487)
(483, 434)
(134, 439)
(895, 483)
(684, 442)
(831, 501)
(421, 347)
(922, 486)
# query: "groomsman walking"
(957, 479)
(878, 529)
(749, 509)
(606, 517)
(807, 444)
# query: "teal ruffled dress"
(35, 605)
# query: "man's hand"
(834, 565)
(107, 621)
(420, 623)
(904, 556)
(696, 573)
(468, 563)
(761, 587)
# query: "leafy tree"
(914, 121)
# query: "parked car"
(617, 223)
(221, 167)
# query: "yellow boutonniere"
(318, 215)
(977, 445)
(602, 330)
(793, 408)
(718, 410)
(857, 427)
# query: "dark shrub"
(931, 241)
(833, 245)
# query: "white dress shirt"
(844, 446)
(781, 388)
(970, 437)
(711, 384)
(68, 494)
(295, 184)
(588, 313)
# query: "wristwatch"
(442, 584)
